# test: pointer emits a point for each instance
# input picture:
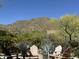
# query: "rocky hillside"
(29, 25)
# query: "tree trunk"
(23, 57)
(9, 57)
(24, 54)
(17, 56)
(70, 37)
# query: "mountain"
(41, 24)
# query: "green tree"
(34, 37)
(7, 41)
(69, 25)
(75, 52)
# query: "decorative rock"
(57, 51)
(34, 50)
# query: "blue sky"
(13, 10)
